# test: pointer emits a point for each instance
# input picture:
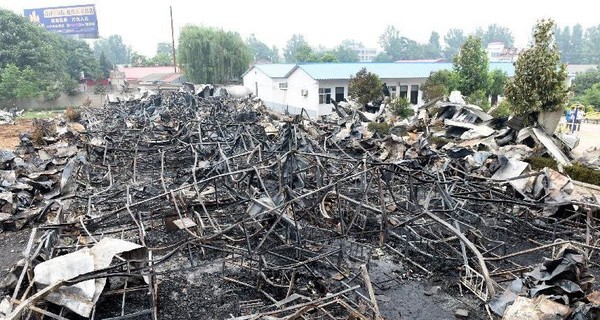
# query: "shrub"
(503, 109)
(72, 115)
(583, 173)
(382, 128)
(479, 98)
(401, 107)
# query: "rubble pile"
(39, 180)
(189, 207)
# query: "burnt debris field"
(179, 207)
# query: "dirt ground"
(9, 133)
(589, 138)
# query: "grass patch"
(39, 114)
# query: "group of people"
(574, 116)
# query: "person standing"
(569, 118)
(579, 115)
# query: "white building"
(497, 52)
(365, 54)
(312, 86)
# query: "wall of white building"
(302, 92)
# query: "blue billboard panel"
(73, 20)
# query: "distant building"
(497, 52)
(365, 54)
(150, 77)
(312, 86)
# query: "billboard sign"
(78, 20)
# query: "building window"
(414, 94)
(324, 95)
(283, 86)
(393, 92)
(404, 91)
(339, 94)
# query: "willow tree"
(539, 82)
(209, 55)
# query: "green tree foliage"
(162, 59)
(139, 60)
(164, 48)
(209, 55)
(329, 56)
(591, 96)
(479, 98)
(18, 83)
(56, 61)
(539, 81)
(454, 39)
(434, 48)
(578, 46)
(591, 45)
(295, 43)
(397, 47)
(114, 48)
(79, 59)
(439, 84)
(400, 107)
(471, 64)
(585, 80)
(496, 33)
(345, 53)
(305, 53)
(503, 109)
(260, 51)
(365, 87)
(105, 66)
(496, 83)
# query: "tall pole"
(173, 39)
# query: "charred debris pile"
(176, 206)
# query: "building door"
(339, 94)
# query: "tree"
(80, 59)
(329, 56)
(164, 48)
(439, 84)
(209, 55)
(139, 60)
(105, 66)
(16, 84)
(539, 81)
(497, 81)
(585, 80)
(305, 53)
(27, 46)
(161, 59)
(454, 39)
(471, 64)
(345, 54)
(397, 47)
(114, 49)
(591, 96)
(260, 51)
(577, 49)
(496, 33)
(294, 43)
(365, 87)
(591, 45)
(433, 48)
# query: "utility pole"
(173, 39)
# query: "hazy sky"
(143, 24)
